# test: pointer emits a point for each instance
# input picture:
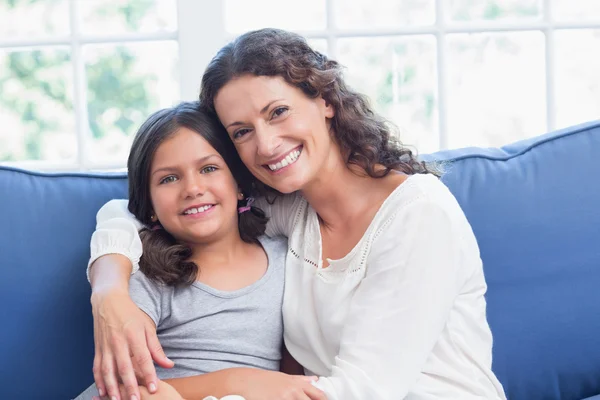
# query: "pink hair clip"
(247, 206)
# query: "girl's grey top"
(203, 329)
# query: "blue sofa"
(534, 207)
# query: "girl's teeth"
(197, 210)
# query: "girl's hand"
(124, 336)
(271, 385)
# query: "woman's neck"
(342, 193)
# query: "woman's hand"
(271, 385)
(124, 336)
(164, 392)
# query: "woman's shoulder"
(418, 193)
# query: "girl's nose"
(194, 187)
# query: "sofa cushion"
(46, 343)
(535, 209)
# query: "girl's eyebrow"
(198, 161)
(262, 111)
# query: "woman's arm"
(400, 308)
(121, 331)
(116, 233)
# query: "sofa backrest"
(46, 221)
(534, 207)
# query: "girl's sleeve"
(401, 307)
(116, 233)
(281, 213)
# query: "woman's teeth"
(197, 210)
(290, 159)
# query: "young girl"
(209, 281)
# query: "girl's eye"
(240, 133)
(279, 111)
(168, 179)
(209, 169)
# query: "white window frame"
(201, 32)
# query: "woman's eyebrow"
(262, 111)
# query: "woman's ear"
(328, 109)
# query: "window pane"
(36, 106)
(364, 14)
(244, 15)
(486, 10)
(122, 16)
(27, 19)
(125, 85)
(576, 10)
(496, 88)
(577, 83)
(399, 76)
(319, 45)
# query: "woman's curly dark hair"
(165, 259)
(364, 137)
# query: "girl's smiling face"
(193, 193)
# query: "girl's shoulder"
(274, 244)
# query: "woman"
(384, 294)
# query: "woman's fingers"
(109, 375)
(142, 358)
(97, 369)
(125, 370)
(97, 366)
(156, 350)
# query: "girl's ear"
(153, 217)
(240, 195)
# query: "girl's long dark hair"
(365, 138)
(164, 259)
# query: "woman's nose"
(267, 141)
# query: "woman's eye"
(168, 179)
(209, 169)
(240, 133)
(279, 111)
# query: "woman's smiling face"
(281, 134)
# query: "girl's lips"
(200, 214)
